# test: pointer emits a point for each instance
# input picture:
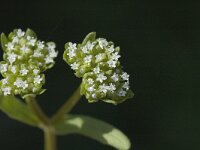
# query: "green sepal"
(29, 95)
(31, 33)
(4, 41)
(90, 37)
(42, 91)
(12, 34)
(129, 95)
(93, 128)
(17, 110)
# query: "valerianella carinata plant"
(96, 61)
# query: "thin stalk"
(50, 142)
(49, 132)
(32, 103)
(67, 106)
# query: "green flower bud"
(96, 61)
(25, 60)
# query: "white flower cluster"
(25, 59)
(110, 86)
(96, 60)
(83, 57)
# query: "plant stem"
(46, 122)
(67, 107)
(49, 132)
(50, 139)
(32, 103)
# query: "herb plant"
(96, 61)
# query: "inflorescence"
(25, 59)
(96, 61)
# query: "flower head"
(25, 59)
(97, 62)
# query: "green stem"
(67, 107)
(32, 103)
(46, 122)
(49, 132)
(50, 139)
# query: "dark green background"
(160, 43)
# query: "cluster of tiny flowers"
(96, 60)
(25, 60)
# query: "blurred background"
(160, 43)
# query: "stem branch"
(46, 122)
(32, 103)
(49, 131)
(67, 106)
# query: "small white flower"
(10, 46)
(20, 33)
(4, 81)
(115, 77)
(35, 71)
(3, 67)
(101, 77)
(15, 39)
(125, 76)
(20, 83)
(53, 54)
(85, 49)
(40, 45)
(90, 81)
(48, 60)
(37, 80)
(12, 57)
(88, 59)
(51, 46)
(122, 93)
(126, 85)
(111, 87)
(99, 57)
(6, 90)
(102, 42)
(25, 49)
(90, 46)
(96, 70)
(112, 63)
(111, 49)
(115, 56)
(24, 71)
(75, 66)
(71, 53)
(72, 46)
(103, 88)
(37, 53)
(91, 89)
(31, 40)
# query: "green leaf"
(90, 37)
(4, 41)
(95, 129)
(17, 110)
(31, 33)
